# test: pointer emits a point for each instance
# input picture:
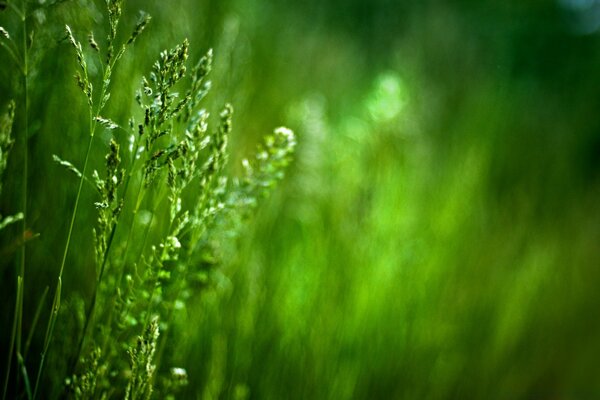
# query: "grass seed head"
(4, 33)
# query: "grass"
(172, 147)
(23, 67)
(435, 236)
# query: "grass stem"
(16, 333)
(12, 340)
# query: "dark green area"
(437, 236)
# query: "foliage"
(162, 211)
(6, 143)
(434, 238)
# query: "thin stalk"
(36, 318)
(12, 340)
(160, 259)
(25, 171)
(53, 315)
(167, 320)
(25, 377)
(48, 337)
(114, 228)
(141, 192)
(77, 197)
(90, 311)
(91, 308)
(145, 240)
(20, 307)
(16, 334)
(139, 199)
(138, 202)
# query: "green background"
(437, 235)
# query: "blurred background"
(437, 235)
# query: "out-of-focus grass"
(399, 272)
(446, 253)
(438, 235)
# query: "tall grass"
(435, 237)
(164, 206)
(19, 54)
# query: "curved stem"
(53, 315)
(91, 308)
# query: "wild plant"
(165, 203)
(6, 144)
(17, 48)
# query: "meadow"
(299, 200)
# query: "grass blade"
(25, 376)
(48, 337)
(12, 338)
(36, 318)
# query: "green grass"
(434, 237)
(145, 270)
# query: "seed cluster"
(165, 205)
